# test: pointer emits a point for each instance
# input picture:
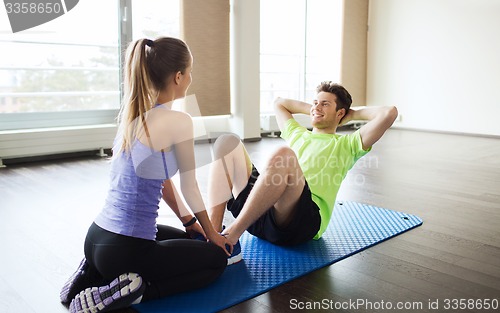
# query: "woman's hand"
(221, 241)
(195, 230)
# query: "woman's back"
(134, 194)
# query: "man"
(292, 201)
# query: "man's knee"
(225, 144)
(284, 157)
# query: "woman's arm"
(174, 201)
(184, 152)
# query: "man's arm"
(380, 119)
(284, 108)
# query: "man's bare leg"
(280, 185)
(229, 175)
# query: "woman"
(128, 257)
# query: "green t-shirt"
(325, 160)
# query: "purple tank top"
(132, 204)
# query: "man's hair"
(344, 99)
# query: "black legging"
(171, 264)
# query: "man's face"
(323, 112)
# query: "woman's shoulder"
(181, 120)
(174, 114)
(174, 123)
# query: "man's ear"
(341, 113)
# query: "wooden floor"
(452, 182)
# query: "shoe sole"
(235, 259)
(120, 293)
(66, 289)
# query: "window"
(282, 36)
(68, 64)
(155, 18)
(300, 47)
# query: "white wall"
(438, 61)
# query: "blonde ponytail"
(148, 65)
(139, 95)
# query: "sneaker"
(120, 293)
(70, 288)
(236, 255)
(200, 237)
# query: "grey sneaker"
(120, 293)
(70, 288)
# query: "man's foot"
(199, 236)
(70, 288)
(120, 293)
(236, 255)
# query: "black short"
(303, 227)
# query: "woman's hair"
(148, 67)
(344, 99)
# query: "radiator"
(46, 141)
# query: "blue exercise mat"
(353, 228)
